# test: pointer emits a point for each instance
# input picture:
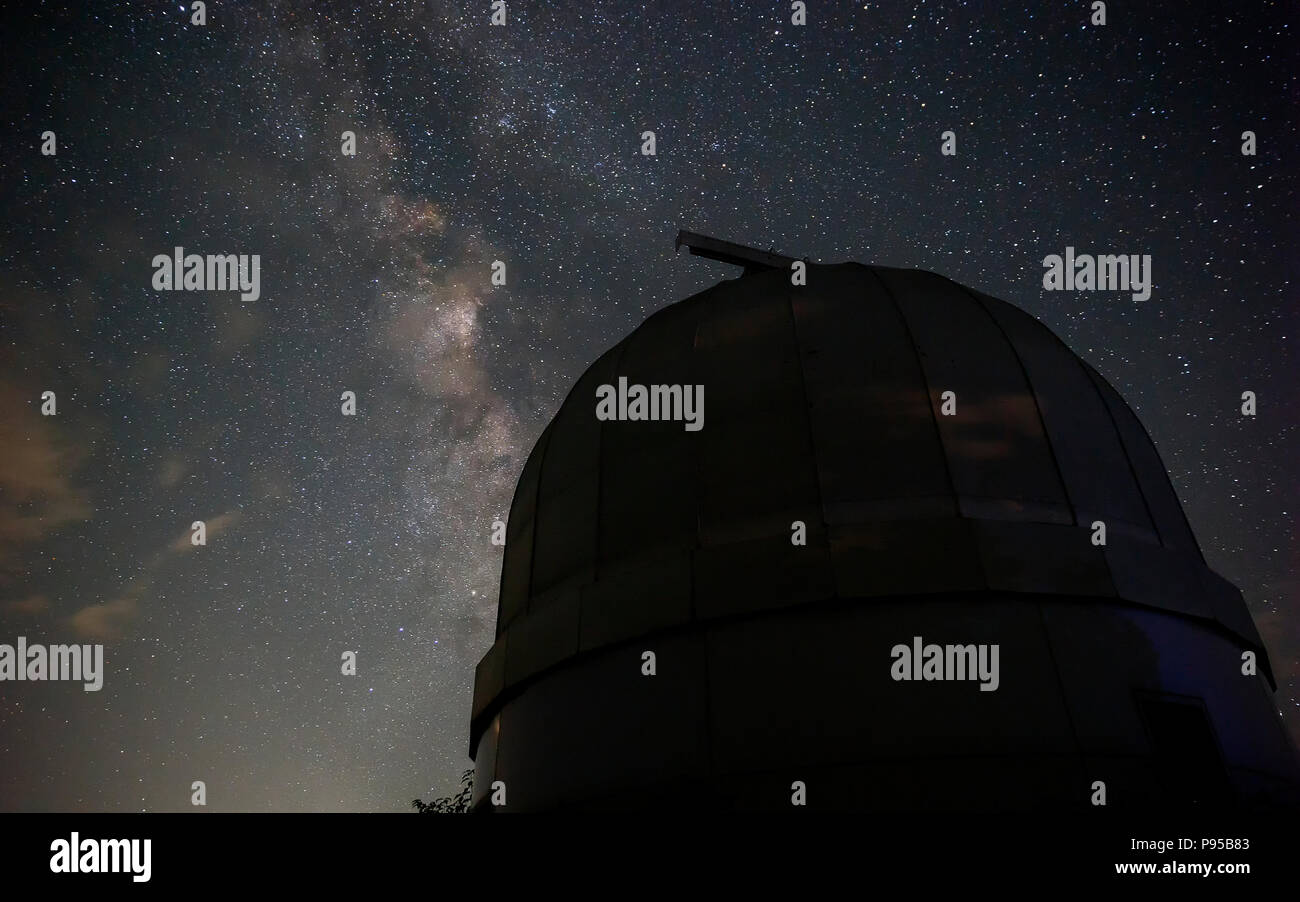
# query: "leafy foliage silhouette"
(453, 804)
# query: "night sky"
(522, 143)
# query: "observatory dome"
(883, 454)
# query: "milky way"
(475, 143)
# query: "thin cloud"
(30, 606)
(109, 620)
(213, 526)
(37, 494)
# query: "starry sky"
(522, 143)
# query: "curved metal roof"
(822, 404)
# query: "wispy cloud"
(213, 527)
(37, 491)
(111, 619)
(108, 621)
(30, 606)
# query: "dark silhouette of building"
(1119, 664)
